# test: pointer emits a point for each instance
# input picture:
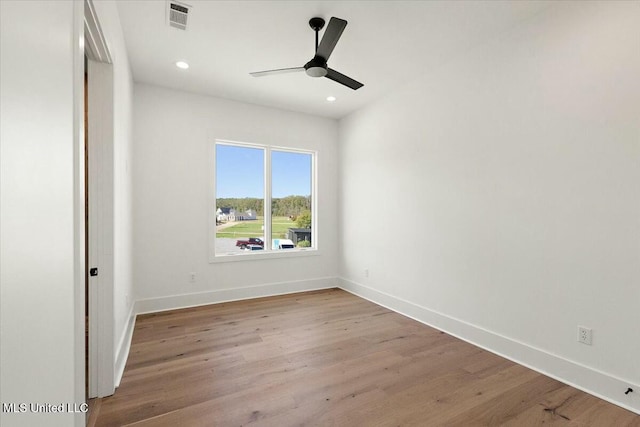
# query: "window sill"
(249, 256)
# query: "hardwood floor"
(328, 358)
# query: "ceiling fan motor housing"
(317, 67)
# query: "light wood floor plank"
(328, 358)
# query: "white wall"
(173, 132)
(515, 175)
(41, 307)
(122, 244)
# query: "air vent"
(177, 14)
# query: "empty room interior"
(332, 213)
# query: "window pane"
(239, 199)
(291, 184)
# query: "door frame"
(100, 243)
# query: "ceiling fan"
(317, 67)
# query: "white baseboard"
(153, 305)
(582, 377)
(122, 352)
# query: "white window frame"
(268, 252)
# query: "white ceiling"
(386, 44)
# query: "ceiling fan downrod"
(316, 25)
(317, 67)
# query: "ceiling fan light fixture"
(317, 67)
(316, 71)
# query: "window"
(264, 200)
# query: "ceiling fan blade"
(342, 79)
(278, 71)
(331, 36)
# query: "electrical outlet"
(584, 335)
(192, 277)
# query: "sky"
(240, 172)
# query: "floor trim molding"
(122, 352)
(589, 380)
(173, 302)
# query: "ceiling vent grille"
(177, 14)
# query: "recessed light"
(331, 98)
(182, 64)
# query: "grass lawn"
(279, 225)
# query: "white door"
(100, 209)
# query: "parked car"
(283, 244)
(251, 241)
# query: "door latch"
(93, 271)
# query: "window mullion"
(267, 199)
